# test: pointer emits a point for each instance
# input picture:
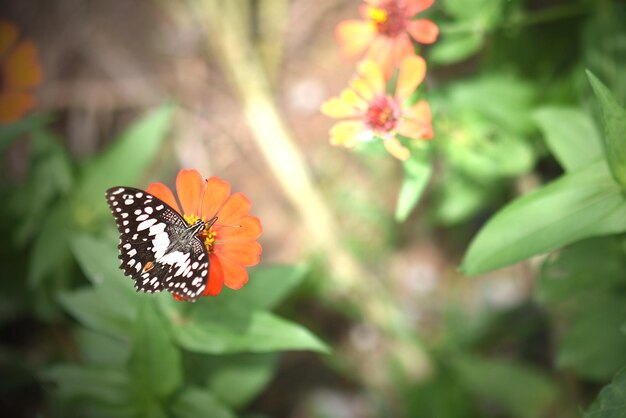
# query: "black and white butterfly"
(158, 249)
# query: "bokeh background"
(479, 346)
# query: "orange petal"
(346, 133)
(247, 229)
(423, 31)
(216, 277)
(381, 53)
(21, 67)
(395, 148)
(371, 75)
(236, 207)
(415, 6)
(215, 194)
(416, 122)
(164, 193)
(189, 186)
(235, 275)
(412, 72)
(15, 105)
(246, 253)
(354, 36)
(8, 36)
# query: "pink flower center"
(389, 18)
(382, 114)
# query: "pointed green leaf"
(416, 175)
(571, 135)
(231, 331)
(579, 205)
(97, 258)
(155, 362)
(196, 402)
(611, 402)
(614, 129)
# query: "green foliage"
(611, 402)
(417, 172)
(614, 128)
(584, 286)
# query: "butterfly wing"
(154, 249)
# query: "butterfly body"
(157, 248)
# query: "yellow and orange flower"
(20, 73)
(232, 240)
(384, 35)
(371, 113)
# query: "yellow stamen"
(377, 15)
(206, 235)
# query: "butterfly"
(158, 249)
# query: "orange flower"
(231, 240)
(386, 32)
(371, 113)
(20, 73)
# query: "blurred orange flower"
(386, 32)
(371, 112)
(231, 240)
(20, 73)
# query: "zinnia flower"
(371, 113)
(20, 73)
(231, 240)
(386, 32)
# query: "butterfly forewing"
(155, 247)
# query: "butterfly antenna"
(201, 203)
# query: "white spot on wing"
(146, 224)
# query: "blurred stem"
(228, 37)
(560, 12)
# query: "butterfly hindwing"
(156, 248)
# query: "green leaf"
(614, 129)
(571, 136)
(584, 288)
(102, 384)
(524, 391)
(100, 349)
(578, 205)
(237, 379)
(97, 258)
(460, 197)
(417, 172)
(14, 131)
(196, 402)
(611, 402)
(454, 47)
(122, 163)
(231, 331)
(155, 362)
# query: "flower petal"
(164, 193)
(189, 186)
(235, 275)
(411, 74)
(416, 122)
(346, 133)
(416, 6)
(236, 207)
(423, 31)
(215, 194)
(349, 104)
(246, 253)
(14, 105)
(354, 36)
(381, 52)
(216, 277)
(8, 36)
(395, 148)
(371, 75)
(21, 67)
(247, 229)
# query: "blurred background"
(483, 346)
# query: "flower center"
(207, 235)
(382, 114)
(389, 18)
